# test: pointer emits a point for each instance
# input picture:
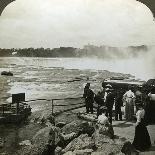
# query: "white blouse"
(139, 115)
(129, 94)
(102, 119)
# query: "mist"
(138, 61)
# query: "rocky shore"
(68, 137)
(67, 134)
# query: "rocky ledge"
(78, 137)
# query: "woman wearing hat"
(105, 127)
(142, 140)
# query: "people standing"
(99, 99)
(89, 98)
(109, 102)
(118, 105)
(129, 98)
(142, 140)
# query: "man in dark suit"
(109, 102)
(89, 98)
(118, 104)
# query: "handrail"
(55, 99)
(55, 105)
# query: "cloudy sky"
(55, 23)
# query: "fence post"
(3, 109)
(52, 106)
(17, 108)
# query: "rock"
(107, 149)
(2, 143)
(7, 73)
(78, 127)
(128, 149)
(103, 134)
(83, 152)
(43, 142)
(80, 143)
(43, 120)
(105, 130)
(68, 137)
(25, 142)
(100, 139)
(87, 128)
(54, 135)
(105, 145)
(88, 117)
(60, 124)
(69, 153)
(58, 150)
(51, 119)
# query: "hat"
(108, 86)
(139, 104)
(107, 89)
(103, 109)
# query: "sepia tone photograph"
(77, 77)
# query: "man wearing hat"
(89, 98)
(109, 101)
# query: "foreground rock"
(80, 143)
(80, 152)
(43, 143)
(79, 127)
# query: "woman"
(142, 140)
(105, 127)
(129, 99)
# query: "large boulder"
(79, 127)
(80, 143)
(43, 142)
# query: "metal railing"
(17, 101)
(81, 104)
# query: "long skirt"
(129, 109)
(142, 140)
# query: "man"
(89, 98)
(109, 102)
(118, 105)
(99, 99)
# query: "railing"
(18, 99)
(77, 105)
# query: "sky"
(55, 23)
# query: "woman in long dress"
(142, 140)
(129, 98)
